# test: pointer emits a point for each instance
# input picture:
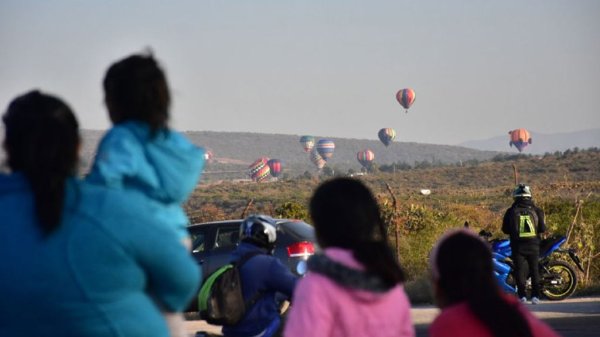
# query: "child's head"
(345, 214)
(461, 267)
(136, 88)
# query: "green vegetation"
(566, 185)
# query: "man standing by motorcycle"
(524, 222)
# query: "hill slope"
(234, 151)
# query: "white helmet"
(260, 230)
(522, 191)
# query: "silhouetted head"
(42, 142)
(136, 88)
(461, 267)
(345, 214)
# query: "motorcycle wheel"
(559, 281)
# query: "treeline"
(566, 185)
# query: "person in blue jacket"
(140, 152)
(79, 259)
(262, 274)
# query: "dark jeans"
(526, 259)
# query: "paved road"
(574, 317)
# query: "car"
(213, 243)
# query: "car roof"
(239, 221)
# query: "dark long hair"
(463, 264)
(136, 88)
(41, 141)
(346, 215)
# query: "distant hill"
(234, 151)
(541, 143)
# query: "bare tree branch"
(248, 205)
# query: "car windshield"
(300, 229)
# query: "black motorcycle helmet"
(260, 230)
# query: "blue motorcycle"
(558, 277)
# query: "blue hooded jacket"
(165, 167)
(99, 274)
(264, 273)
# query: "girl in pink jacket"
(354, 288)
(472, 303)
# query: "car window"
(300, 229)
(227, 237)
(198, 242)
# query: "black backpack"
(220, 300)
(527, 223)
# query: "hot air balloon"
(308, 142)
(316, 159)
(365, 158)
(386, 135)
(406, 97)
(259, 170)
(275, 167)
(520, 138)
(325, 147)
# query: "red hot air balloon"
(520, 138)
(365, 158)
(259, 170)
(386, 135)
(275, 167)
(406, 97)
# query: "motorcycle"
(558, 278)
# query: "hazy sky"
(325, 68)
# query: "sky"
(327, 68)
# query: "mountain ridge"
(541, 142)
(236, 150)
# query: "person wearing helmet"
(524, 222)
(266, 281)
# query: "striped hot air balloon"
(316, 159)
(275, 167)
(520, 138)
(259, 170)
(365, 158)
(406, 98)
(308, 142)
(325, 147)
(386, 135)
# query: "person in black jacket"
(524, 222)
